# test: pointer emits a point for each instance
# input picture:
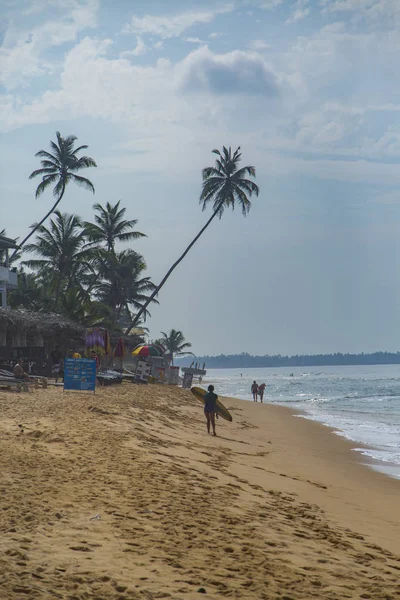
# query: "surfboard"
(223, 412)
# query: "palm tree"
(62, 259)
(175, 344)
(59, 168)
(111, 226)
(121, 283)
(224, 185)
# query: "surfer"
(210, 401)
(254, 390)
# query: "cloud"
(258, 45)
(270, 4)
(21, 54)
(140, 48)
(194, 40)
(233, 73)
(173, 26)
(373, 10)
(302, 10)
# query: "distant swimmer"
(254, 390)
(261, 389)
(210, 405)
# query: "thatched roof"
(40, 322)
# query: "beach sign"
(80, 374)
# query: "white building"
(8, 277)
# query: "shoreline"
(390, 469)
(332, 460)
(123, 494)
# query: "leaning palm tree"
(111, 227)
(174, 343)
(59, 168)
(224, 185)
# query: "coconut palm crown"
(225, 185)
(58, 168)
(110, 226)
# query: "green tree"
(121, 284)
(174, 343)
(63, 260)
(110, 227)
(225, 186)
(59, 168)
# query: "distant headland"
(245, 360)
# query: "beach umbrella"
(146, 351)
(160, 348)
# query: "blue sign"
(80, 374)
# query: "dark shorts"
(208, 411)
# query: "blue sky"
(309, 90)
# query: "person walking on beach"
(210, 405)
(261, 389)
(254, 390)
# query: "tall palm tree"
(59, 168)
(224, 185)
(60, 248)
(175, 343)
(110, 226)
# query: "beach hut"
(33, 335)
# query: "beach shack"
(33, 335)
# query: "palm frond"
(83, 182)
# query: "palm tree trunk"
(53, 208)
(158, 288)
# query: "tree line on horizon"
(74, 267)
(245, 360)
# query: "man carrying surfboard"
(210, 405)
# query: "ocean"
(362, 403)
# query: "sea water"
(362, 403)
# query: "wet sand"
(123, 495)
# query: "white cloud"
(270, 4)
(194, 40)
(173, 26)
(374, 10)
(21, 55)
(258, 45)
(301, 11)
(139, 49)
(214, 35)
(232, 73)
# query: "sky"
(310, 91)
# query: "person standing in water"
(254, 390)
(210, 406)
(261, 389)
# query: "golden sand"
(123, 495)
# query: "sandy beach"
(123, 495)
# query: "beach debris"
(146, 511)
(201, 591)
(96, 517)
